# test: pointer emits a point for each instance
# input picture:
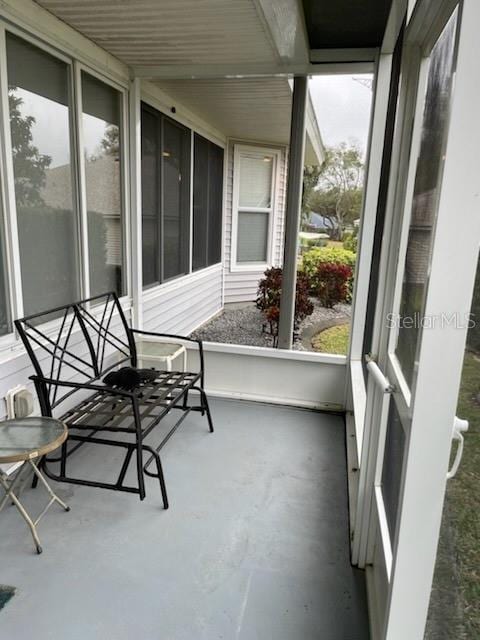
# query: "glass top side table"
(25, 440)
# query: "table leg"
(10, 495)
(11, 486)
(51, 493)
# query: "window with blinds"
(255, 176)
(207, 203)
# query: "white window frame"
(261, 152)
(76, 63)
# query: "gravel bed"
(236, 326)
(244, 326)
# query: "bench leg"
(140, 476)
(206, 409)
(159, 474)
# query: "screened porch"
(157, 151)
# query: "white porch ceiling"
(169, 32)
(256, 109)
(190, 33)
(252, 108)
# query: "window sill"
(249, 266)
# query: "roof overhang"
(248, 109)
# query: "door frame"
(412, 560)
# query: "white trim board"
(266, 375)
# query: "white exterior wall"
(241, 286)
(182, 305)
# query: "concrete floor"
(253, 547)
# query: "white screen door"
(421, 317)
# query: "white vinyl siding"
(183, 305)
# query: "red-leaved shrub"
(330, 283)
(268, 300)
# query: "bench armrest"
(166, 335)
(81, 385)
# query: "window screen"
(428, 179)
(151, 227)
(216, 205)
(175, 193)
(101, 118)
(207, 203)
(165, 197)
(392, 467)
(39, 102)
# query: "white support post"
(293, 212)
(136, 200)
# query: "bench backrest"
(80, 341)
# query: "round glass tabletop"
(28, 438)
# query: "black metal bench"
(72, 348)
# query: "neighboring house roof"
(102, 179)
(103, 197)
(322, 222)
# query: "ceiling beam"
(343, 55)
(211, 71)
(285, 23)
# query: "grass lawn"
(463, 499)
(333, 340)
(458, 565)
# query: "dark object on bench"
(91, 339)
(129, 378)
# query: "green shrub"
(311, 243)
(320, 255)
(350, 242)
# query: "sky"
(51, 128)
(342, 106)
